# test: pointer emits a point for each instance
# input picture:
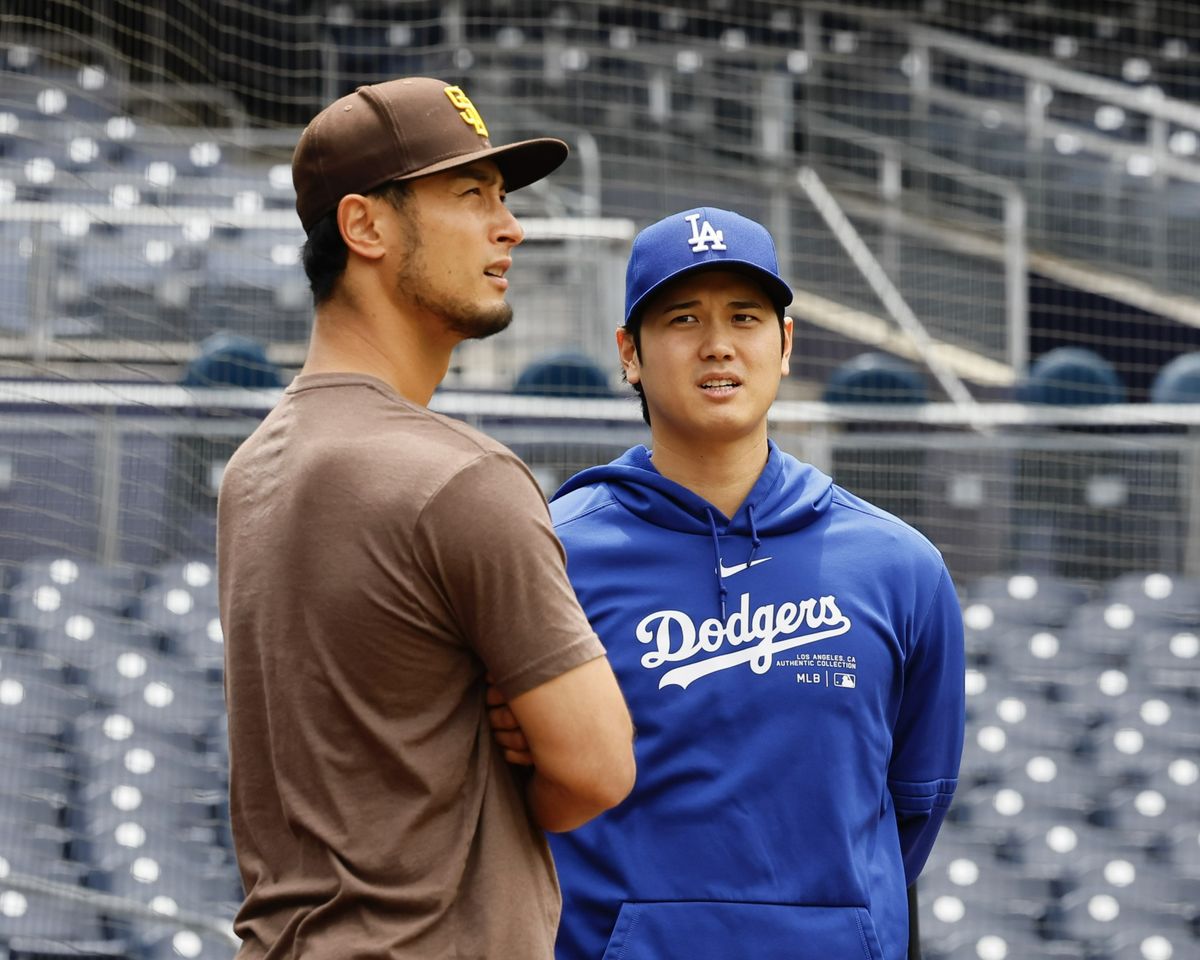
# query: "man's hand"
(574, 736)
(505, 729)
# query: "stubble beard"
(471, 321)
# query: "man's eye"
(684, 318)
(745, 318)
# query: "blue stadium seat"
(1178, 381)
(231, 360)
(563, 375)
(1071, 376)
(875, 378)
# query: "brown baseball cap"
(399, 130)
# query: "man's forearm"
(556, 809)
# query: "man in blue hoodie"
(792, 655)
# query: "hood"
(787, 496)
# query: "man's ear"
(360, 225)
(630, 362)
(788, 328)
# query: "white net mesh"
(957, 189)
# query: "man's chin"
(483, 322)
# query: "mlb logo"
(843, 680)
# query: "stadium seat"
(1039, 658)
(1104, 921)
(102, 807)
(1172, 659)
(50, 584)
(187, 618)
(875, 378)
(1099, 693)
(33, 767)
(183, 878)
(1170, 594)
(42, 918)
(1071, 376)
(563, 375)
(231, 360)
(1154, 941)
(1178, 381)
(34, 700)
(1168, 720)
(79, 640)
(1032, 722)
(1145, 881)
(1029, 599)
(1113, 630)
(189, 944)
(191, 573)
(156, 690)
(951, 926)
(1147, 816)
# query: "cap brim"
(779, 292)
(520, 163)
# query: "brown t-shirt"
(375, 561)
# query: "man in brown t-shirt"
(378, 561)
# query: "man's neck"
(721, 473)
(397, 349)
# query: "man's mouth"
(719, 383)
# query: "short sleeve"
(486, 540)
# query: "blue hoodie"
(795, 675)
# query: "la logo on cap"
(704, 237)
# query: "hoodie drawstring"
(712, 525)
(755, 542)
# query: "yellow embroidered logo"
(466, 110)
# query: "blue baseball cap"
(705, 237)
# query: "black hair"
(324, 253)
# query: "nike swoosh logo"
(739, 567)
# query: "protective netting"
(959, 191)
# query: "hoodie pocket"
(715, 930)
